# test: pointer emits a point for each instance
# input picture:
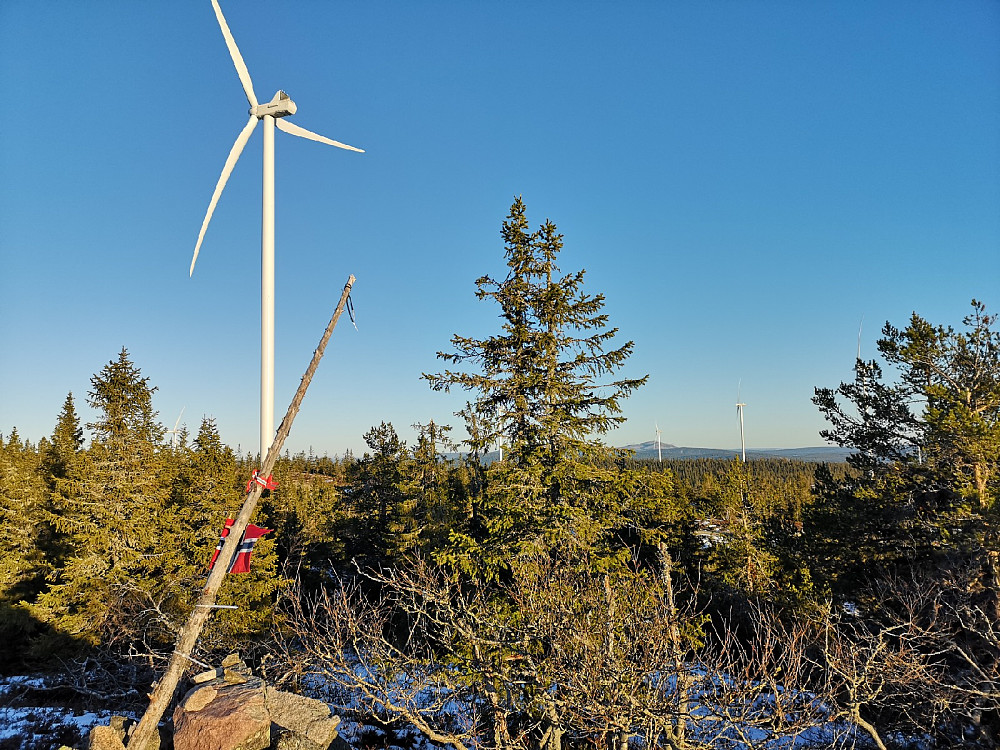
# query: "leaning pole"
(164, 691)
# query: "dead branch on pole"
(163, 693)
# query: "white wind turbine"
(739, 410)
(659, 454)
(271, 113)
(173, 432)
(860, 325)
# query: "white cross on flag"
(241, 560)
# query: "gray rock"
(292, 741)
(306, 717)
(203, 677)
(101, 737)
(220, 716)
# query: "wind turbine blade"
(179, 418)
(293, 129)
(234, 154)
(234, 52)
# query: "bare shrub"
(561, 655)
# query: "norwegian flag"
(241, 560)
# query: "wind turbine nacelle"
(280, 106)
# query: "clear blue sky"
(743, 180)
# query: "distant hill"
(815, 454)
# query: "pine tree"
(953, 378)
(928, 454)
(957, 376)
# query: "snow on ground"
(707, 729)
(47, 728)
(40, 727)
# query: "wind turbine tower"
(860, 326)
(272, 114)
(659, 453)
(743, 444)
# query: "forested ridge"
(568, 594)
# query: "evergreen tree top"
(539, 381)
(940, 419)
(66, 441)
(125, 400)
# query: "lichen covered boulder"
(223, 716)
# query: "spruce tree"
(740, 559)
(67, 439)
(377, 495)
(309, 516)
(432, 503)
(22, 499)
(23, 563)
(538, 384)
(209, 487)
(111, 515)
(544, 388)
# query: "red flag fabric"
(222, 540)
(241, 560)
(267, 482)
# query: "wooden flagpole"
(163, 693)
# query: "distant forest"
(570, 594)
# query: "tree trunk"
(498, 722)
(869, 728)
(981, 474)
(552, 737)
(676, 730)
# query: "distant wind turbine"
(860, 325)
(271, 113)
(173, 432)
(659, 454)
(739, 411)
